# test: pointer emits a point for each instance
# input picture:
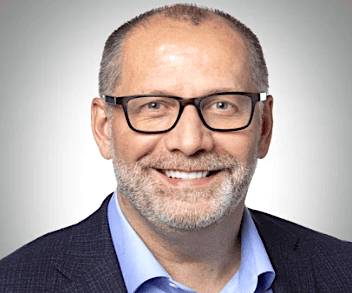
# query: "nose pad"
(189, 136)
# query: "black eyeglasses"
(153, 114)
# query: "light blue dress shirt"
(142, 273)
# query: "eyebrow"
(210, 92)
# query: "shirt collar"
(255, 269)
(134, 256)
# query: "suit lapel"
(89, 260)
(286, 251)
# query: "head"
(188, 52)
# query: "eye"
(222, 105)
(153, 105)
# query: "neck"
(191, 257)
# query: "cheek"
(129, 145)
(240, 144)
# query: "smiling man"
(184, 115)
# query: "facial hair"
(185, 208)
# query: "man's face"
(188, 61)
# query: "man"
(184, 116)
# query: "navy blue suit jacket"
(81, 258)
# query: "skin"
(185, 60)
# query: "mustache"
(202, 161)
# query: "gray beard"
(184, 209)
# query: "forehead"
(168, 52)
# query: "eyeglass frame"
(183, 102)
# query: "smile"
(185, 175)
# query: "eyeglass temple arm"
(111, 100)
(262, 97)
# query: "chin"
(190, 215)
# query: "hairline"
(209, 16)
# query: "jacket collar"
(285, 247)
(88, 258)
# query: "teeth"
(185, 175)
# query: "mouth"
(186, 175)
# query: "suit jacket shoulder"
(30, 263)
(79, 258)
(305, 259)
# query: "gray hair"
(110, 66)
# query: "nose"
(189, 136)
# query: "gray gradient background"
(51, 173)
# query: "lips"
(185, 175)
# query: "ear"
(266, 127)
(100, 127)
